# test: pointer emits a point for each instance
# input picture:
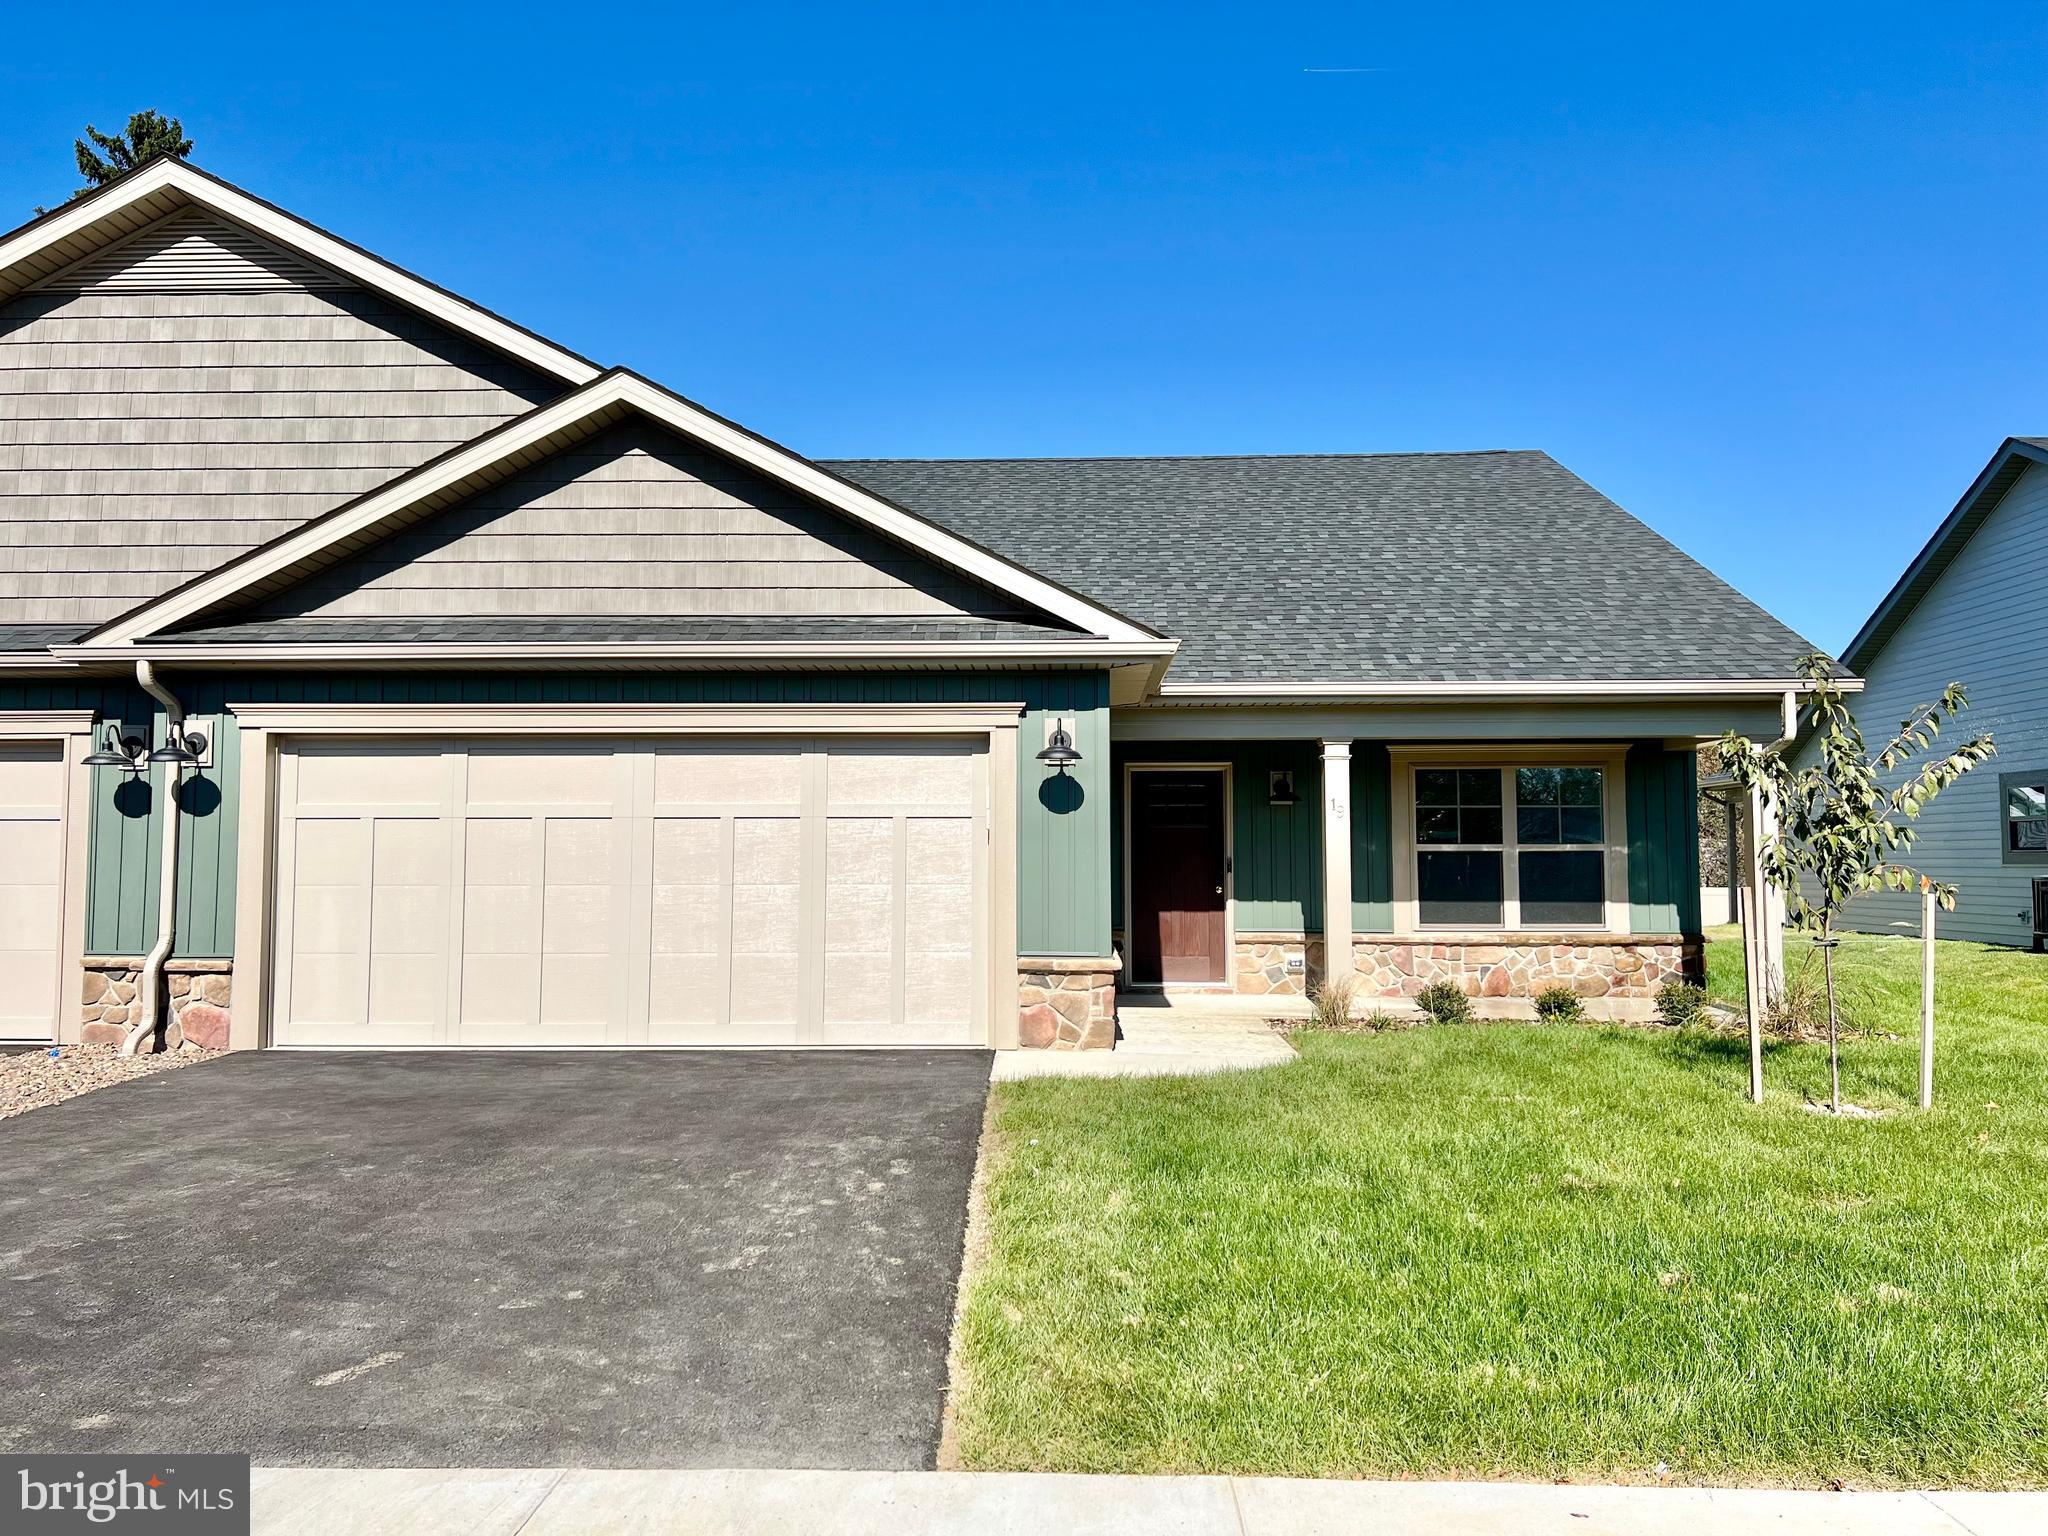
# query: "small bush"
(1330, 1003)
(1680, 1003)
(1445, 1003)
(1560, 1005)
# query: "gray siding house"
(375, 672)
(1973, 607)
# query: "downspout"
(149, 985)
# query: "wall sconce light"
(1280, 788)
(181, 749)
(117, 751)
(1059, 750)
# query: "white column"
(1768, 902)
(1336, 860)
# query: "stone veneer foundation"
(1065, 1004)
(1627, 966)
(201, 991)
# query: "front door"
(1177, 876)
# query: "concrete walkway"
(302, 1502)
(1159, 1040)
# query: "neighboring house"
(1973, 608)
(541, 706)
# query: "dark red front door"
(1177, 871)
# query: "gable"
(178, 398)
(192, 251)
(634, 521)
(1929, 568)
(1979, 622)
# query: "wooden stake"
(1753, 991)
(1926, 995)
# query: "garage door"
(31, 888)
(632, 893)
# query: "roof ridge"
(1193, 458)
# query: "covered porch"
(1503, 845)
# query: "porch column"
(1336, 860)
(1766, 900)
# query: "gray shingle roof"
(708, 631)
(1431, 567)
(35, 637)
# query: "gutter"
(149, 985)
(1553, 690)
(607, 653)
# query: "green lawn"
(1536, 1251)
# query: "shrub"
(1330, 1003)
(1559, 1005)
(1680, 1003)
(1445, 1003)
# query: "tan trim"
(537, 434)
(626, 719)
(1228, 770)
(267, 728)
(1336, 802)
(1609, 757)
(53, 243)
(1004, 814)
(71, 730)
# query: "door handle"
(1219, 890)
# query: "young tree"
(1839, 827)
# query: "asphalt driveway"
(547, 1259)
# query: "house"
(1972, 607)
(507, 699)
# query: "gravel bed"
(35, 1079)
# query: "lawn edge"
(975, 1245)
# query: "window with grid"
(1511, 847)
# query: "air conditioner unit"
(2040, 915)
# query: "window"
(1511, 847)
(2024, 837)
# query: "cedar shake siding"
(175, 400)
(634, 521)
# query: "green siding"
(1277, 852)
(1663, 840)
(1063, 865)
(1372, 838)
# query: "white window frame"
(2007, 782)
(1610, 759)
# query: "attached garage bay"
(784, 891)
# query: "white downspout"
(148, 984)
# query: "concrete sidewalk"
(552, 1502)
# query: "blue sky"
(1771, 276)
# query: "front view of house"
(506, 700)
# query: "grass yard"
(1519, 1250)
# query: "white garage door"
(638, 893)
(31, 888)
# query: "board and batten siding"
(1063, 833)
(1984, 623)
(1662, 795)
(161, 415)
(1277, 851)
(635, 521)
